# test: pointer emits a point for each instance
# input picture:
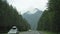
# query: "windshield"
(30, 16)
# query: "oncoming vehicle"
(14, 30)
(29, 30)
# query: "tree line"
(9, 17)
(50, 19)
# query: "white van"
(14, 30)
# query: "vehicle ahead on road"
(14, 30)
(29, 30)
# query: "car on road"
(29, 30)
(14, 30)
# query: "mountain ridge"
(33, 18)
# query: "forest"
(9, 17)
(50, 19)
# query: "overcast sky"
(24, 5)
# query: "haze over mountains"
(33, 18)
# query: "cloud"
(25, 4)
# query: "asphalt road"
(30, 32)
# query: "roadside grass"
(49, 32)
(46, 32)
(3, 33)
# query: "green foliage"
(50, 19)
(46, 21)
(10, 17)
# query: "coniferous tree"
(50, 19)
(10, 17)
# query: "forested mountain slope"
(33, 18)
(9, 17)
(50, 20)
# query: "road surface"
(30, 32)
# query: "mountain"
(33, 18)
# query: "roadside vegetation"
(50, 19)
(49, 33)
(9, 17)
